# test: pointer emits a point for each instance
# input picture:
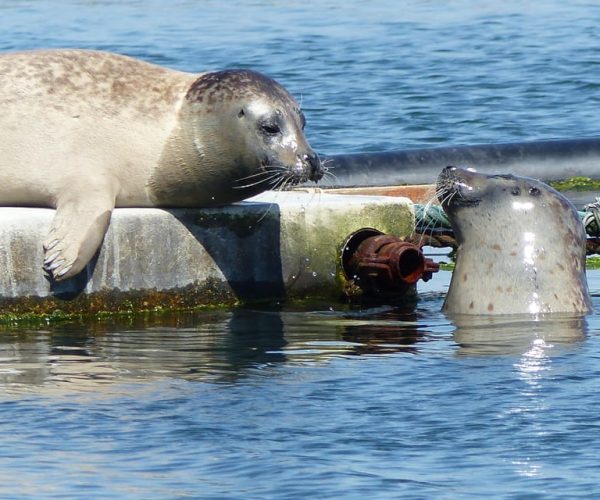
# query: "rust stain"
(422, 193)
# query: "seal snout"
(446, 184)
(455, 187)
(308, 167)
(314, 166)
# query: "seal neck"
(199, 165)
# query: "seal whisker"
(328, 174)
(276, 181)
(265, 176)
(315, 193)
(279, 184)
(432, 222)
(268, 174)
(266, 212)
(326, 164)
(273, 182)
(258, 182)
(284, 186)
(252, 184)
(328, 170)
(266, 171)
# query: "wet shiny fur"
(521, 246)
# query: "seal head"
(242, 132)
(521, 246)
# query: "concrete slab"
(277, 245)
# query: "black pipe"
(545, 160)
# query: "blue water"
(325, 402)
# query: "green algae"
(447, 266)
(592, 263)
(576, 184)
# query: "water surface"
(324, 402)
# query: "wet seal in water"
(521, 246)
(85, 131)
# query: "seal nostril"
(448, 172)
(316, 169)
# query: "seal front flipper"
(81, 220)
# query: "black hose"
(545, 160)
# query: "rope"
(591, 218)
(432, 227)
(431, 216)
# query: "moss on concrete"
(211, 293)
(397, 219)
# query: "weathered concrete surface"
(274, 246)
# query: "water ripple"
(302, 403)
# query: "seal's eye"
(515, 191)
(533, 191)
(302, 120)
(270, 128)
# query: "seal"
(85, 131)
(521, 246)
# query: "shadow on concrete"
(73, 287)
(245, 245)
(246, 248)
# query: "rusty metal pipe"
(380, 263)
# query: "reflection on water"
(225, 346)
(515, 334)
(215, 346)
(532, 368)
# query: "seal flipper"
(78, 229)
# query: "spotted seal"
(85, 131)
(521, 246)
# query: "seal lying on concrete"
(85, 131)
(521, 246)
